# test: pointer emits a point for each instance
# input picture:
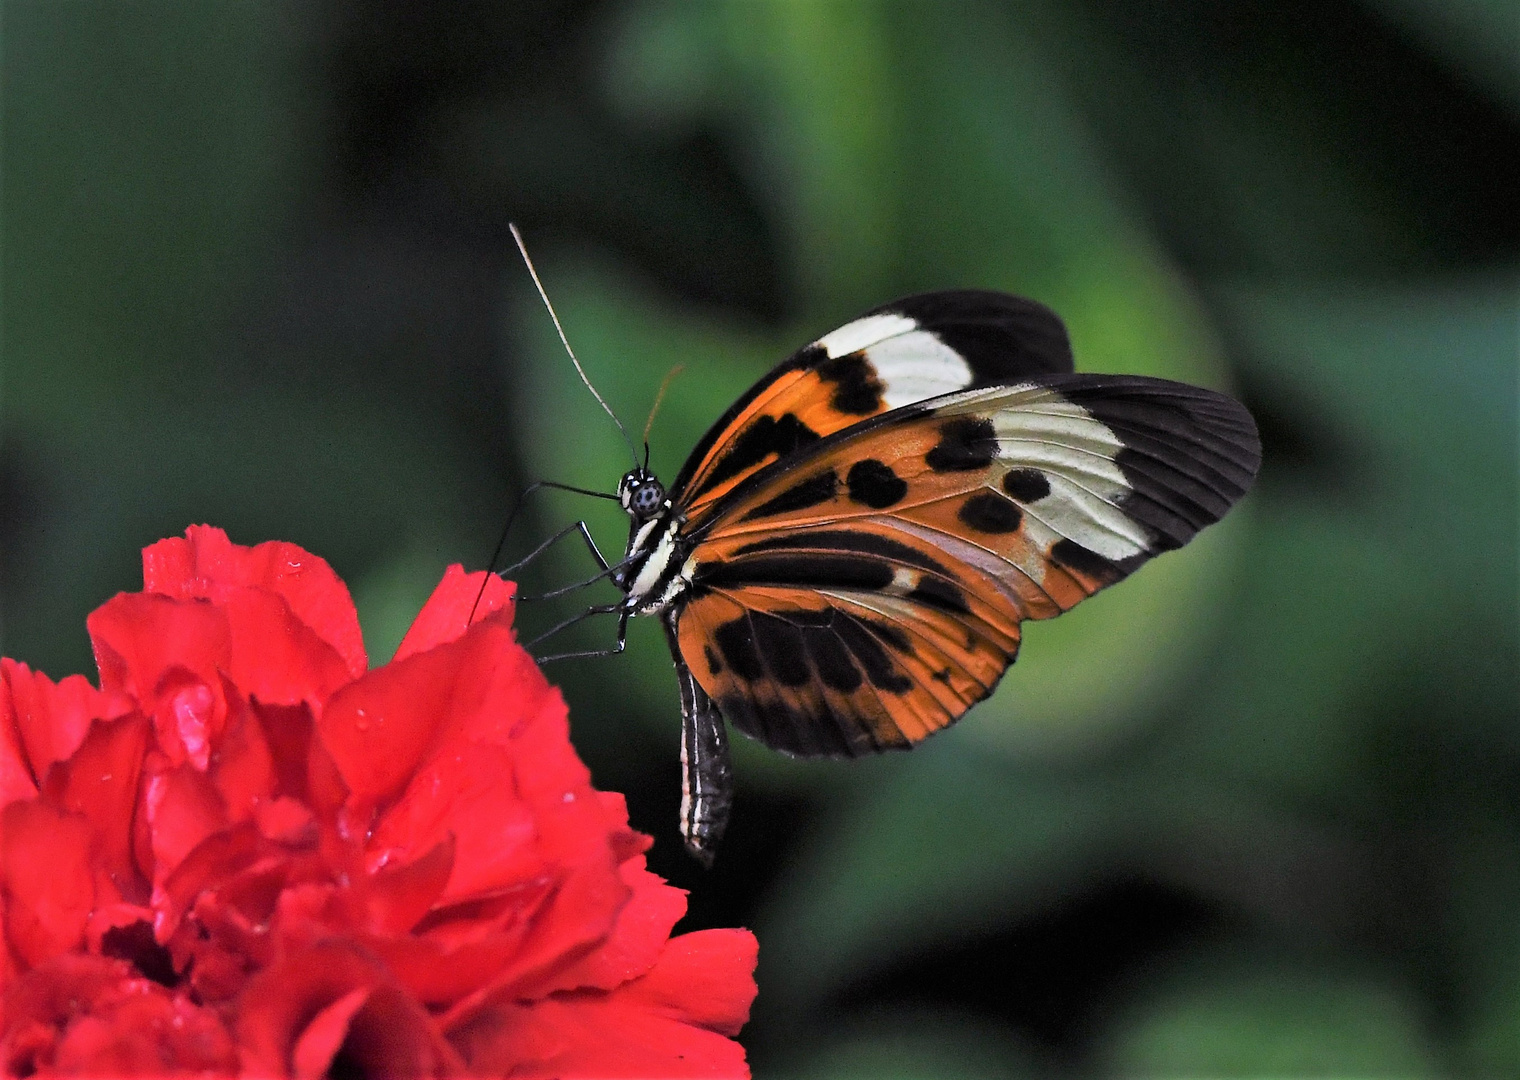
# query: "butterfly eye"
(647, 497)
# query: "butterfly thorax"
(654, 570)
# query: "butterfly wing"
(898, 354)
(868, 590)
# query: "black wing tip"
(1215, 423)
(1190, 454)
(1003, 337)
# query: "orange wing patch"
(898, 354)
(795, 411)
(1042, 493)
(838, 673)
(934, 487)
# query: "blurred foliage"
(1253, 812)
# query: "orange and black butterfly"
(843, 562)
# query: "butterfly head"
(641, 493)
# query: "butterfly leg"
(707, 785)
(599, 609)
(585, 535)
(506, 530)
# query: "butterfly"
(843, 563)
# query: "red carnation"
(247, 853)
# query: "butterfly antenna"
(523, 248)
(659, 397)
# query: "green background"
(1254, 812)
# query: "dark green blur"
(1254, 812)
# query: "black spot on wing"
(864, 543)
(1026, 485)
(1003, 339)
(990, 513)
(873, 483)
(736, 641)
(803, 569)
(895, 637)
(714, 665)
(814, 730)
(765, 437)
(857, 390)
(810, 492)
(1074, 556)
(935, 593)
(831, 660)
(868, 652)
(780, 647)
(965, 443)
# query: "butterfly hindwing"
(898, 354)
(838, 672)
(938, 529)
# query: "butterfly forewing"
(932, 531)
(898, 354)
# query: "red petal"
(46, 870)
(276, 657)
(390, 1035)
(637, 939)
(183, 808)
(395, 899)
(481, 688)
(38, 1005)
(140, 1030)
(203, 563)
(704, 978)
(16, 780)
(144, 1032)
(592, 1034)
(324, 1036)
(208, 866)
(447, 613)
(45, 722)
(303, 768)
(286, 821)
(670, 1023)
(241, 767)
(139, 636)
(148, 1035)
(474, 801)
(100, 783)
(378, 728)
(578, 916)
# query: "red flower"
(246, 852)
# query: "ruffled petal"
(48, 879)
(330, 1001)
(16, 780)
(205, 562)
(42, 722)
(637, 940)
(458, 603)
(100, 784)
(91, 1016)
(673, 1022)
